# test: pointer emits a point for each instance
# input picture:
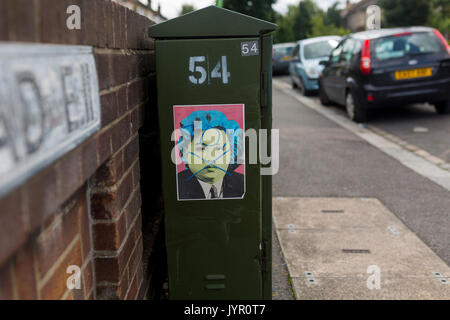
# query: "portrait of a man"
(211, 147)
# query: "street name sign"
(49, 104)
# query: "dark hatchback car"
(388, 67)
(281, 57)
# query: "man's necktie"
(213, 192)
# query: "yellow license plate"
(286, 58)
(413, 74)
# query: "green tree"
(320, 28)
(261, 9)
(440, 16)
(333, 16)
(303, 20)
(285, 31)
(401, 13)
(186, 8)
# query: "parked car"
(388, 67)
(305, 66)
(281, 57)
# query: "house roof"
(361, 5)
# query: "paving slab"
(356, 289)
(338, 239)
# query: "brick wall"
(86, 209)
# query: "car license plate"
(286, 58)
(413, 74)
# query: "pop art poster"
(210, 151)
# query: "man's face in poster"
(209, 155)
(211, 147)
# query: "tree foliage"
(186, 8)
(403, 13)
(261, 9)
(307, 20)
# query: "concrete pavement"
(319, 158)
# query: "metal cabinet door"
(213, 246)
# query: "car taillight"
(366, 62)
(443, 40)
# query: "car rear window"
(319, 49)
(408, 44)
(284, 51)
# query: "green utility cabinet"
(214, 78)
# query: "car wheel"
(443, 107)
(294, 85)
(323, 96)
(302, 89)
(356, 111)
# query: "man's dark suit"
(233, 186)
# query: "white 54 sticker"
(249, 48)
(200, 73)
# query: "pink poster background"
(232, 112)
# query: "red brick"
(142, 291)
(108, 102)
(136, 93)
(146, 64)
(104, 145)
(122, 101)
(88, 23)
(52, 242)
(132, 32)
(133, 208)
(88, 278)
(70, 173)
(12, 225)
(135, 120)
(119, 26)
(53, 27)
(100, 28)
(3, 21)
(124, 190)
(6, 283)
(110, 172)
(109, 236)
(136, 174)
(21, 20)
(25, 273)
(136, 258)
(144, 40)
(85, 227)
(102, 62)
(113, 291)
(104, 205)
(133, 290)
(109, 24)
(43, 195)
(131, 153)
(138, 227)
(89, 154)
(119, 68)
(107, 269)
(121, 133)
(56, 285)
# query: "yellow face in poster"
(209, 155)
(211, 146)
